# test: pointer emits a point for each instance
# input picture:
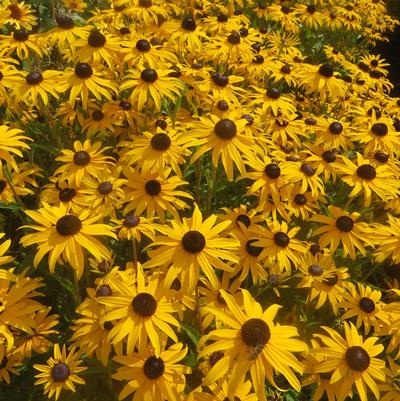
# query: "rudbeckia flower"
(10, 142)
(157, 377)
(9, 363)
(191, 245)
(63, 236)
(150, 84)
(19, 14)
(142, 312)
(22, 42)
(252, 342)
(352, 361)
(60, 372)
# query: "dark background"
(391, 51)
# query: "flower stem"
(134, 253)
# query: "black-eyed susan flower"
(387, 239)
(64, 236)
(141, 313)
(11, 142)
(219, 392)
(86, 160)
(19, 14)
(133, 227)
(252, 342)
(158, 376)
(22, 42)
(193, 244)
(367, 179)
(60, 373)
(272, 102)
(9, 363)
(154, 192)
(365, 304)
(352, 360)
(153, 85)
(85, 80)
(343, 229)
(225, 138)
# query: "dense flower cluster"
(201, 199)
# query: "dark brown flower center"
(272, 171)
(314, 249)
(34, 78)
(15, 12)
(253, 250)
(131, 221)
(258, 59)
(255, 332)
(189, 24)
(68, 225)
(152, 187)
(96, 39)
(65, 22)
(381, 157)
(60, 372)
(344, 224)
(160, 142)
(81, 158)
(366, 172)
(326, 70)
(193, 242)
(328, 156)
(144, 304)
(145, 3)
(315, 270)
(107, 325)
(225, 129)
(103, 291)
(311, 9)
(125, 105)
(222, 18)
(83, 70)
(161, 124)
(379, 129)
(331, 280)
(234, 38)
(310, 121)
(357, 358)
(66, 194)
(176, 285)
(367, 304)
(335, 128)
(149, 75)
(244, 219)
(307, 169)
(97, 115)
(105, 188)
(153, 367)
(281, 239)
(300, 199)
(222, 105)
(143, 45)
(220, 79)
(20, 35)
(273, 93)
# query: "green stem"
(134, 253)
(211, 188)
(198, 171)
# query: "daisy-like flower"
(351, 361)
(64, 235)
(60, 372)
(364, 177)
(95, 47)
(279, 245)
(37, 341)
(86, 160)
(272, 102)
(20, 15)
(226, 139)
(219, 392)
(153, 376)
(252, 342)
(156, 193)
(84, 80)
(343, 228)
(21, 42)
(193, 244)
(9, 363)
(320, 79)
(365, 304)
(11, 141)
(141, 312)
(133, 227)
(391, 387)
(154, 85)
(387, 239)
(333, 134)
(154, 152)
(36, 86)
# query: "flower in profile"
(60, 372)
(252, 342)
(154, 85)
(352, 361)
(153, 376)
(11, 141)
(63, 236)
(193, 244)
